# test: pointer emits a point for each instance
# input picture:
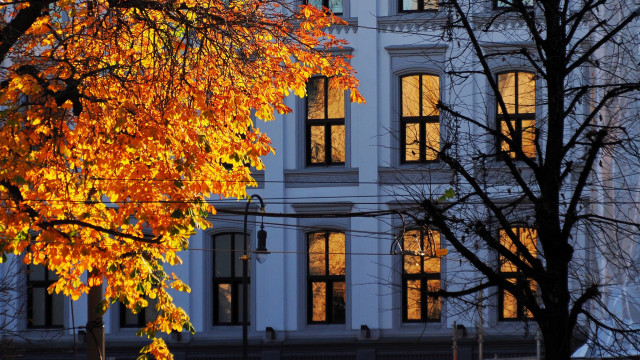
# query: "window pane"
(36, 273)
(414, 302)
(505, 148)
(509, 306)
(336, 104)
(433, 141)
(57, 309)
(223, 255)
(409, 5)
(317, 254)
(38, 313)
(150, 312)
(337, 254)
(339, 303)
(239, 300)
(431, 245)
(412, 243)
(528, 237)
(315, 98)
(335, 6)
(316, 3)
(526, 93)
(317, 144)
(130, 319)
(411, 96)
(507, 266)
(412, 142)
(528, 138)
(430, 5)
(337, 143)
(430, 94)
(319, 301)
(224, 303)
(507, 88)
(433, 303)
(239, 247)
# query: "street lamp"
(261, 256)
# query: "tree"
(543, 203)
(120, 116)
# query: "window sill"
(320, 177)
(431, 173)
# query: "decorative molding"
(316, 177)
(412, 50)
(499, 21)
(435, 174)
(351, 26)
(411, 23)
(329, 208)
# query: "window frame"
(327, 279)
(141, 316)
(234, 280)
(421, 4)
(325, 4)
(424, 277)
(515, 117)
(421, 120)
(48, 305)
(509, 7)
(327, 123)
(514, 275)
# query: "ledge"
(415, 175)
(319, 177)
(412, 22)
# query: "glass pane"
(319, 301)
(507, 266)
(433, 141)
(414, 302)
(239, 302)
(509, 306)
(507, 88)
(150, 312)
(412, 142)
(339, 302)
(411, 96)
(336, 104)
(317, 254)
(337, 143)
(38, 307)
(432, 244)
(315, 98)
(51, 275)
(57, 309)
(526, 93)
(409, 5)
(224, 303)
(316, 3)
(239, 247)
(36, 272)
(317, 144)
(130, 319)
(412, 243)
(528, 138)
(528, 237)
(335, 6)
(223, 255)
(430, 94)
(433, 303)
(430, 5)
(336, 256)
(505, 148)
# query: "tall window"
(325, 129)
(140, 319)
(227, 278)
(518, 90)
(334, 5)
(420, 118)
(326, 293)
(509, 307)
(44, 310)
(417, 5)
(421, 276)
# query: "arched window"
(326, 266)
(509, 307)
(419, 118)
(421, 266)
(417, 5)
(518, 91)
(324, 124)
(227, 278)
(44, 310)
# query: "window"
(421, 276)
(325, 129)
(130, 320)
(509, 307)
(518, 91)
(334, 5)
(326, 292)
(417, 5)
(227, 278)
(44, 310)
(508, 4)
(419, 118)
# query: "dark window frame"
(508, 7)
(421, 9)
(424, 278)
(326, 122)
(516, 117)
(328, 280)
(325, 4)
(48, 305)
(422, 120)
(235, 281)
(515, 275)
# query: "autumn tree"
(124, 116)
(539, 136)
